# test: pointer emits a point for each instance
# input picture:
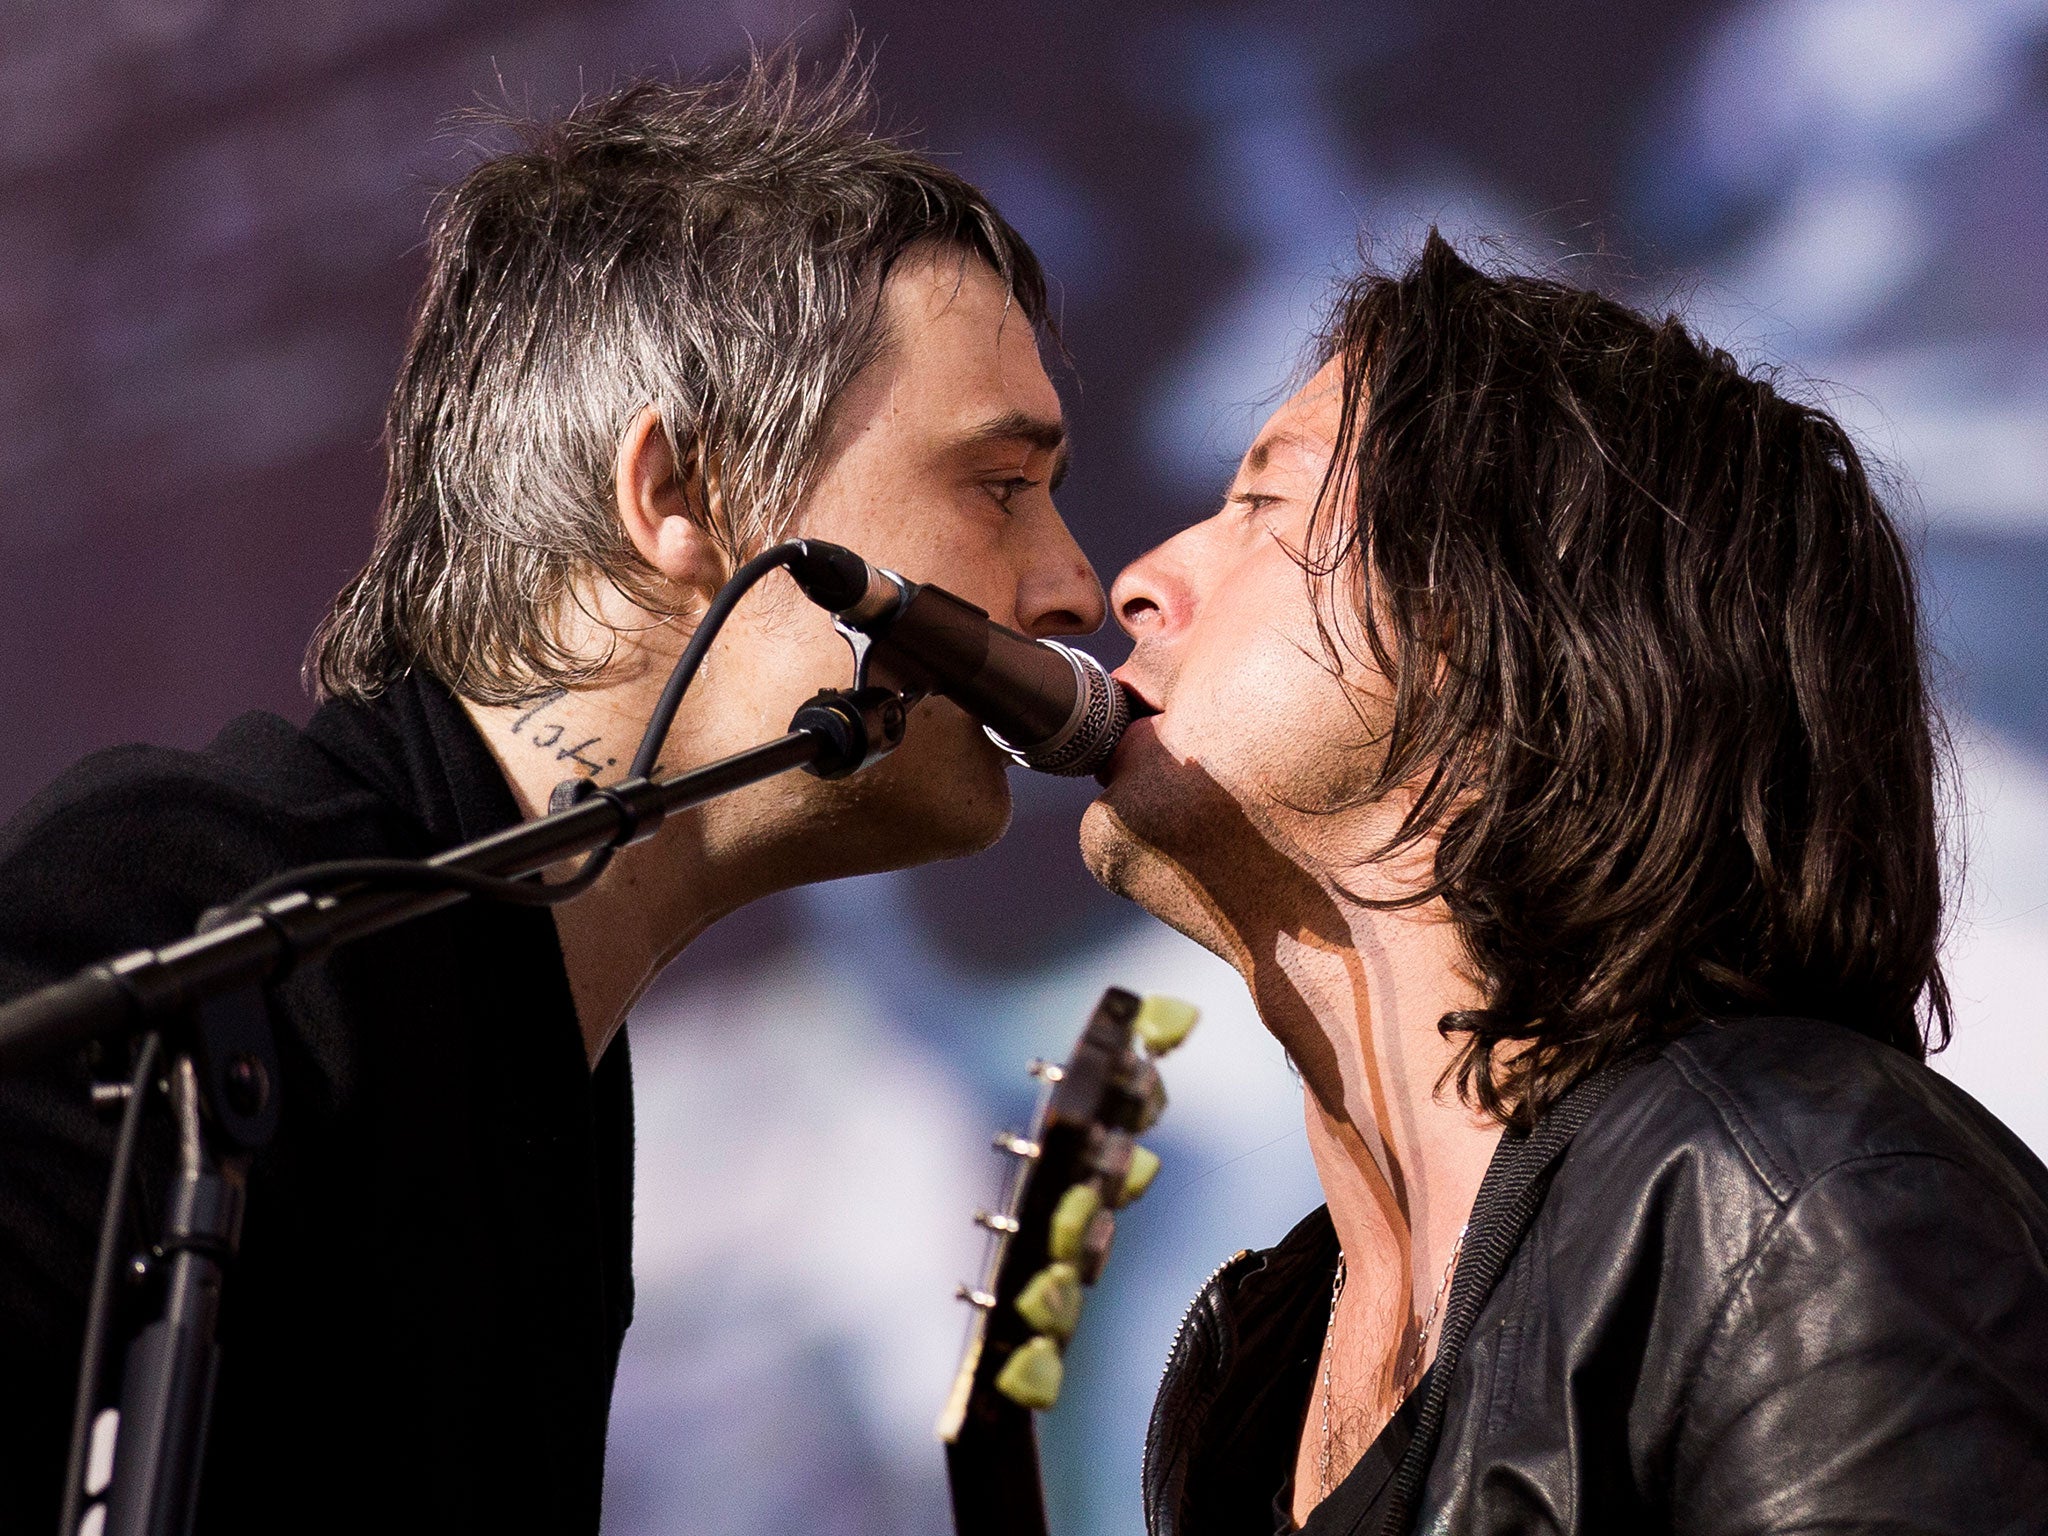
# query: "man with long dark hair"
(657, 335)
(1542, 733)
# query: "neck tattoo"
(1408, 1377)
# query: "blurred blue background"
(210, 216)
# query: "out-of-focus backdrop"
(210, 220)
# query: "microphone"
(1046, 705)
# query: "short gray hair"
(716, 251)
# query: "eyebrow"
(1262, 451)
(1046, 434)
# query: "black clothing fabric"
(1782, 1279)
(1251, 1427)
(1360, 1501)
(434, 1280)
(1510, 1194)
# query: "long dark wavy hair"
(1655, 656)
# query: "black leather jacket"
(1778, 1278)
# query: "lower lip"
(1108, 770)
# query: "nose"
(1059, 593)
(1149, 595)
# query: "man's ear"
(661, 506)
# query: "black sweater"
(422, 1327)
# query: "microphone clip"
(896, 673)
(855, 727)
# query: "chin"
(1108, 849)
(944, 794)
(1132, 831)
(1127, 865)
(969, 820)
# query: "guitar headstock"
(1074, 1169)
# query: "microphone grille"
(1104, 713)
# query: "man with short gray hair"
(670, 328)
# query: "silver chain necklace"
(1408, 1377)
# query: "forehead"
(1298, 437)
(958, 341)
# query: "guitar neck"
(993, 1470)
(1079, 1164)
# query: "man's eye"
(1003, 490)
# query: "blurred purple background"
(210, 218)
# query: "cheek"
(938, 530)
(1276, 723)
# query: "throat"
(1361, 1380)
(1373, 1360)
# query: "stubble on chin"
(1129, 865)
(1106, 848)
(943, 795)
(964, 812)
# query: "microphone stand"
(209, 994)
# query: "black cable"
(773, 558)
(680, 677)
(100, 1306)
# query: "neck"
(1399, 1160)
(656, 896)
(1355, 994)
(1352, 990)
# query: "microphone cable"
(100, 1304)
(776, 557)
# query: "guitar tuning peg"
(1051, 1301)
(1145, 1085)
(1047, 1071)
(974, 1298)
(1033, 1374)
(1070, 1220)
(996, 1221)
(1016, 1146)
(1162, 1022)
(1082, 1232)
(1095, 1241)
(1138, 1177)
(1121, 1166)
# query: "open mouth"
(1140, 708)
